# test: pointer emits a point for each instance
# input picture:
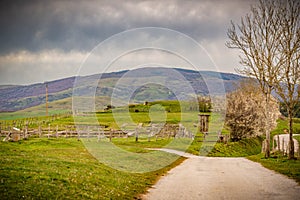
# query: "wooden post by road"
(278, 142)
(203, 122)
(283, 146)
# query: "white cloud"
(25, 67)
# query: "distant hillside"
(15, 97)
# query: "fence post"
(78, 130)
(110, 134)
(278, 142)
(56, 131)
(99, 135)
(9, 132)
(48, 131)
(88, 133)
(26, 130)
(136, 134)
(283, 146)
(67, 129)
(39, 130)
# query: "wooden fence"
(282, 145)
(157, 131)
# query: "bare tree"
(289, 75)
(257, 37)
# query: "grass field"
(54, 168)
(56, 107)
(280, 164)
(63, 168)
(155, 112)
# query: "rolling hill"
(19, 97)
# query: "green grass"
(172, 106)
(160, 112)
(242, 148)
(154, 112)
(181, 144)
(283, 124)
(63, 168)
(55, 168)
(297, 138)
(280, 164)
(54, 107)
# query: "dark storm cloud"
(68, 25)
(38, 25)
(53, 38)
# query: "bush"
(245, 112)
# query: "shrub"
(245, 114)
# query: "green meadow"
(123, 168)
(41, 168)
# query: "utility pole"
(46, 99)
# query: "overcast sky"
(47, 40)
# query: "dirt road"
(222, 178)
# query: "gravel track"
(222, 178)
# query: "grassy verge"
(181, 144)
(280, 164)
(277, 162)
(63, 168)
(243, 148)
(283, 124)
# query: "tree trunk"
(291, 141)
(267, 110)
